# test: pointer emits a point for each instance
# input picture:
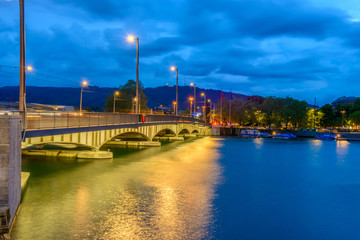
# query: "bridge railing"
(51, 120)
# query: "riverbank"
(234, 131)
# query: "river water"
(210, 188)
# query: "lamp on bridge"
(84, 83)
(177, 91)
(204, 108)
(29, 68)
(132, 39)
(191, 101)
(116, 93)
(194, 85)
(174, 103)
(134, 100)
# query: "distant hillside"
(96, 96)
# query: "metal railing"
(53, 120)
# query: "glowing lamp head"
(209, 100)
(173, 68)
(202, 94)
(84, 83)
(29, 68)
(174, 103)
(191, 99)
(135, 99)
(117, 93)
(131, 38)
(192, 84)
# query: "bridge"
(93, 130)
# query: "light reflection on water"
(155, 193)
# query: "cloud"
(254, 46)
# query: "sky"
(298, 48)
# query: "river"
(209, 188)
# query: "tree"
(124, 101)
(355, 117)
(329, 117)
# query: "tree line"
(287, 112)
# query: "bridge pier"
(10, 171)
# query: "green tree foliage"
(124, 101)
(355, 117)
(329, 118)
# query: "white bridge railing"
(53, 120)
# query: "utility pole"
(22, 85)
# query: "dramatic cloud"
(305, 49)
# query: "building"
(344, 100)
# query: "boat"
(250, 133)
(284, 136)
(327, 136)
(265, 135)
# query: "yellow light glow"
(29, 68)
(84, 83)
(135, 99)
(117, 93)
(173, 68)
(192, 84)
(131, 38)
(174, 103)
(209, 100)
(191, 99)
(202, 94)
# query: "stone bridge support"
(10, 170)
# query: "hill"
(96, 96)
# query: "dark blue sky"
(298, 48)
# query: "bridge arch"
(184, 131)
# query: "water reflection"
(162, 193)
(259, 142)
(342, 149)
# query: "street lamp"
(194, 85)
(342, 120)
(22, 72)
(84, 83)
(174, 103)
(177, 92)
(191, 101)
(134, 100)
(209, 101)
(204, 108)
(116, 93)
(132, 39)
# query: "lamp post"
(191, 101)
(116, 93)
(177, 91)
(83, 84)
(174, 103)
(134, 100)
(132, 39)
(204, 110)
(194, 85)
(209, 101)
(342, 120)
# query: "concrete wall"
(10, 164)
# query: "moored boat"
(284, 136)
(327, 136)
(250, 133)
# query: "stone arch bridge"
(94, 130)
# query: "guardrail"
(53, 120)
